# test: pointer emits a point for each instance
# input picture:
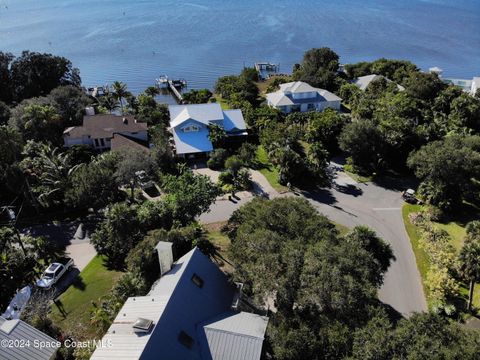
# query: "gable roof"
(233, 336)
(20, 330)
(203, 113)
(105, 125)
(175, 304)
(233, 120)
(363, 81)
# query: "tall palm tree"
(120, 92)
(470, 258)
(109, 102)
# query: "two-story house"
(189, 125)
(300, 96)
(107, 132)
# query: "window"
(96, 143)
(197, 280)
(311, 106)
(191, 128)
(102, 142)
(185, 339)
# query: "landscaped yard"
(268, 170)
(92, 283)
(456, 230)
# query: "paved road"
(377, 206)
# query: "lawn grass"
(223, 103)
(268, 170)
(92, 283)
(413, 232)
(358, 178)
(456, 229)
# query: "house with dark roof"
(107, 131)
(21, 341)
(300, 96)
(189, 125)
(192, 312)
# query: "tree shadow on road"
(395, 183)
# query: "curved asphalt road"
(378, 207)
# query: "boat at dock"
(174, 85)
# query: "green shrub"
(217, 159)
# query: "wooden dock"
(175, 91)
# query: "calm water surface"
(199, 40)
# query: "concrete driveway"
(379, 207)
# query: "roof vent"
(142, 325)
(125, 120)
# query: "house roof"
(283, 96)
(233, 120)
(203, 113)
(176, 304)
(363, 81)
(19, 330)
(297, 87)
(234, 336)
(192, 142)
(105, 125)
(120, 141)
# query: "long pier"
(175, 91)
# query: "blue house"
(192, 312)
(189, 126)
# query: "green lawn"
(456, 230)
(92, 283)
(414, 234)
(223, 103)
(268, 170)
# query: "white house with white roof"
(189, 125)
(300, 96)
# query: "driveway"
(379, 207)
(73, 236)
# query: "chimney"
(165, 256)
(90, 111)
(125, 120)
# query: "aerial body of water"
(137, 40)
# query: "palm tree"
(109, 102)
(470, 257)
(120, 92)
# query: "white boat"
(18, 303)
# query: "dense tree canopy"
(448, 169)
(318, 68)
(34, 74)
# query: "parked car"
(54, 272)
(409, 196)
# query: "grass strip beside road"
(91, 284)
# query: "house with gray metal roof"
(21, 341)
(362, 82)
(300, 96)
(189, 125)
(191, 312)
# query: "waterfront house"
(107, 132)
(300, 96)
(191, 312)
(189, 125)
(363, 81)
(467, 85)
